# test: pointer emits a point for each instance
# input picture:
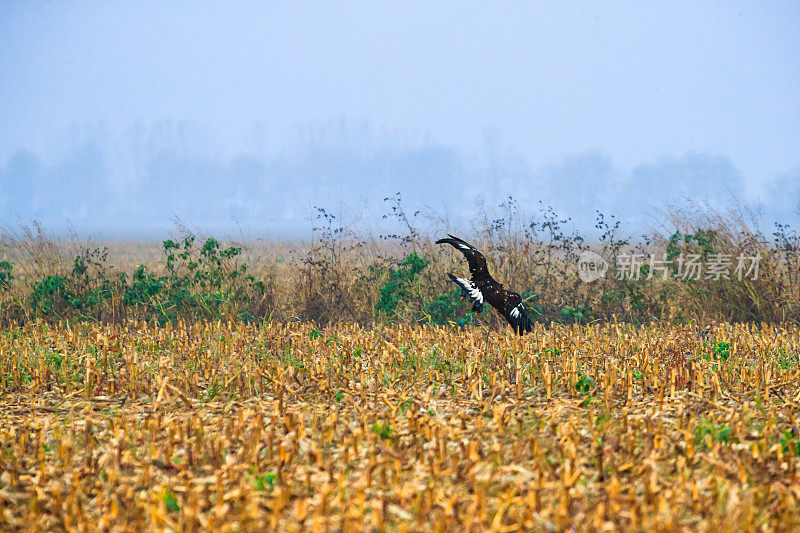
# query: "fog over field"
(121, 117)
(137, 182)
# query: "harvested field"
(244, 427)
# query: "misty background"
(118, 117)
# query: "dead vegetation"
(348, 273)
(252, 427)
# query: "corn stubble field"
(249, 427)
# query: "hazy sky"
(533, 82)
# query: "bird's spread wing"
(482, 288)
(477, 263)
(469, 290)
(511, 306)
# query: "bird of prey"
(484, 288)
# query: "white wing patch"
(519, 319)
(474, 294)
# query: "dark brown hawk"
(484, 288)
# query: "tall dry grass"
(347, 273)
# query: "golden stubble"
(243, 427)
